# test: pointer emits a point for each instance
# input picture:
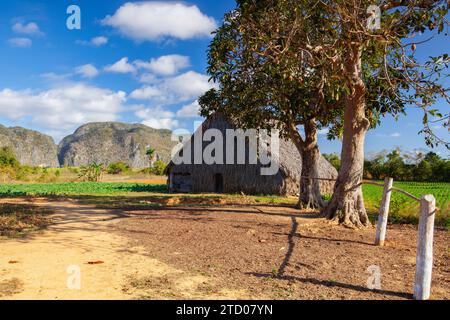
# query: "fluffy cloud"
(121, 66)
(191, 110)
(165, 65)
(30, 28)
(99, 41)
(157, 118)
(87, 71)
(20, 42)
(146, 93)
(95, 42)
(155, 20)
(181, 88)
(62, 109)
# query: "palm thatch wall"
(244, 178)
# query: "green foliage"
(159, 167)
(118, 168)
(405, 210)
(150, 153)
(80, 188)
(334, 159)
(289, 60)
(92, 172)
(431, 168)
(8, 158)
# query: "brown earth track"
(274, 253)
(229, 252)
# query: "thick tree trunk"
(347, 203)
(310, 195)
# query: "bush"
(118, 168)
(159, 167)
(8, 158)
(91, 173)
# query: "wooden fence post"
(424, 260)
(384, 212)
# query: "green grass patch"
(79, 188)
(406, 210)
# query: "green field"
(403, 209)
(77, 188)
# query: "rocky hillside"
(31, 147)
(110, 142)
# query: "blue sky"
(140, 62)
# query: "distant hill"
(109, 142)
(31, 147)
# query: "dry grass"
(18, 219)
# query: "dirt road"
(236, 252)
(46, 265)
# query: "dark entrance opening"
(218, 181)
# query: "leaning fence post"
(384, 212)
(424, 260)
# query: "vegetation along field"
(402, 210)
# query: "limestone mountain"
(30, 147)
(109, 142)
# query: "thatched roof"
(289, 161)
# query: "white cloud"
(99, 41)
(155, 20)
(181, 88)
(390, 135)
(121, 66)
(30, 28)
(157, 118)
(148, 78)
(191, 110)
(165, 65)
(146, 93)
(95, 42)
(62, 109)
(87, 71)
(20, 42)
(54, 77)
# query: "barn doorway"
(218, 183)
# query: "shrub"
(159, 167)
(118, 168)
(91, 173)
(8, 158)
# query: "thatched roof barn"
(237, 178)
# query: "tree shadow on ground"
(335, 284)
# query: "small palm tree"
(151, 156)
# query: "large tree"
(368, 72)
(257, 92)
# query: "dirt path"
(40, 266)
(246, 252)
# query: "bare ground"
(230, 252)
